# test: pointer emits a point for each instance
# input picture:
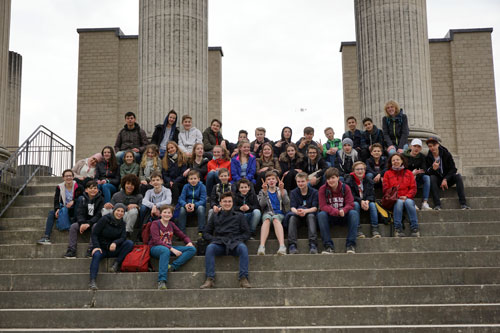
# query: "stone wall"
(108, 87)
(463, 93)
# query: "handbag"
(390, 197)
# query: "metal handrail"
(43, 153)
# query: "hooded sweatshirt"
(331, 201)
(187, 139)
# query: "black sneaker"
(313, 249)
(361, 234)
(464, 207)
(438, 207)
(293, 249)
(115, 268)
(415, 233)
(399, 233)
(92, 284)
(89, 253)
(328, 250)
(44, 241)
(351, 249)
(375, 233)
(70, 254)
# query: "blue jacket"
(236, 168)
(357, 138)
(296, 200)
(376, 136)
(193, 194)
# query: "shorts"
(272, 216)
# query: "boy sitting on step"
(193, 200)
(220, 188)
(88, 213)
(156, 197)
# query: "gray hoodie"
(187, 139)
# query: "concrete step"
(481, 170)
(34, 200)
(482, 180)
(251, 316)
(259, 279)
(255, 297)
(268, 263)
(46, 180)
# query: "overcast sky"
(279, 56)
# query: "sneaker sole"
(281, 253)
(350, 252)
(40, 243)
(69, 257)
(376, 236)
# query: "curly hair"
(132, 179)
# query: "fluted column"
(4, 66)
(173, 61)
(12, 117)
(393, 61)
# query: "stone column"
(173, 61)
(12, 118)
(393, 61)
(4, 66)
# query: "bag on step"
(137, 260)
(201, 246)
(384, 216)
(63, 221)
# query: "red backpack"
(137, 260)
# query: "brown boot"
(244, 283)
(209, 283)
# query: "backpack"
(201, 246)
(146, 232)
(137, 260)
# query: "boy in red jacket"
(337, 205)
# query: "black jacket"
(252, 147)
(210, 140)
(368, 189)
(131, 138)
(103, 172)
(396, 130)
(448, 169)
(227, 228)
(376, 136)
(89, 210)
(357, 138)
(217, 191)
(370, 166)
(417, 162)
(159, 132)
(202, 168)
(286, 164)
(108, 230)
(297, 200)
(174, 173)
(250, 199)
(320, 166)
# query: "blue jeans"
(107, 190)
(212, 179)
(163, 253)
(200, 213)
(253, 219)
(409, 204)
(214, 250)
(120, 253)
(352, 218)
(120, 154)
(393, 151)
(372, 209)
(424, 180)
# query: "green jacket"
(335, 143)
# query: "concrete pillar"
(173, 61)
(4, 66)
(393, 61)
(13, 115)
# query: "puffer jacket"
(131, 138)
(402, 178)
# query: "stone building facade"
(108, 87)
(463, 93)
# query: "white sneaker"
(425, 206)
(261, 251)
(282, 250)
(416, 208)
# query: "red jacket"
(217, 164)
(331, 201)
(403, 178)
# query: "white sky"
(279, 56)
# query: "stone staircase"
(446, 281)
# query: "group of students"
(280, 184)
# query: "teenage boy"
(233, 147)
(260, 139)
(306, 140)
(65, 197)
(154, 198)
(303, 208)
(220, 188)
(345, 158)
(416, 164)
(131, 137)
(193, 200)
(363, 192)
(274, 203)
(88, 212)
(337, 206)
(372, 134)
(376, 165)
(246, 202)
(331, 146)
(189, 135)
(227, 233)
(441, 168)
(357, 138)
